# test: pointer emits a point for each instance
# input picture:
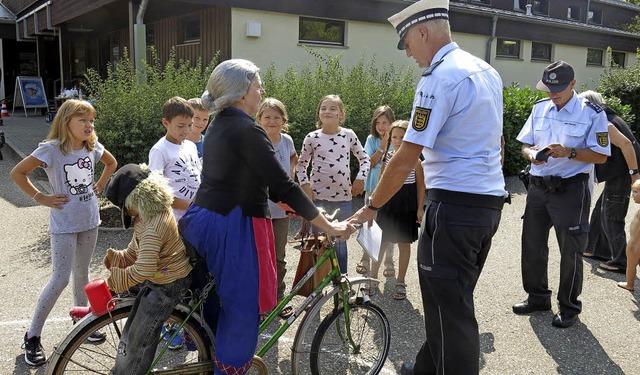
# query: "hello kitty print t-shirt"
(72, 175)
(329, 156)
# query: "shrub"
(624, 84)
(517, 107)
(129, 106)
(362, 87)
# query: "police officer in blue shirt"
(563, 137)
(456, 123)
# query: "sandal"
(623, 285)
(286, 312)
(400, 291)
(612, 268)
(371, 290)
(389, 272)
(362, 269)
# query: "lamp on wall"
(254, 29)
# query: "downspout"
(586, 16)
(494, 23)
(140, 36)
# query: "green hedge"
(129, 112)
(129, 108)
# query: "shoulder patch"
(542, 100)
(420, 118)
(603, 139)
(595, 107)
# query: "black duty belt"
(554, 183)
(468, 199)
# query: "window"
(573, 13)
(508, 48)
(594, 17)
(190, 29)
(151, 35)
(594, 57)
(617, 59)
(540, 51)
(520, 5)
(321, 31)
(541, 7)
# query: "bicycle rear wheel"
(77, 355)
(333, 353)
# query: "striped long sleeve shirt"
(155, 253)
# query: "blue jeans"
(141, 333)
(343, 214)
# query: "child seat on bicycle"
(155, 260)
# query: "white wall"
(279, 41)
(278, 45)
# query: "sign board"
(29, 93)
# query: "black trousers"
(607, 237)
(567, 210)
(453, 247)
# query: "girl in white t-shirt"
(68, 156)
(272, 117)
(328, 150)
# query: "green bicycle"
(341, 331)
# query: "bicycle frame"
(334, 276)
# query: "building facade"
(59, 40)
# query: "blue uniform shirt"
(578, 124)
(457, 117)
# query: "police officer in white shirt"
(563, 137)
(456, 123)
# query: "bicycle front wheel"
(78, 355)
(332, 352)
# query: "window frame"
(536, 58)
(570, 10)
(184, 23)
(590, 63)
(593, 13)
(535, 9)
(518, 44)
(342, 29)
(613, 62)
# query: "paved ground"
(605, 341)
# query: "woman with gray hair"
(228, 223)
(607, 237)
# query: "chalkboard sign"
(29, 93)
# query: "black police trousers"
(607, 237)
(453, 246)
(567, 210)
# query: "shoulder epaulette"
(431, 68)
(542, 100)
(595, 107)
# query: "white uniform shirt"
(181, 165)
(577, 124)
(457, 117)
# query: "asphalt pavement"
(606, 340)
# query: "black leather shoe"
(525, 307)
(562, 320)
(407, 368)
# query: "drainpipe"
(586, 16)
(494, 23)
(140, 36)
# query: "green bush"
(517, 107)
(625, 85)
(362, 87)
(129, 107)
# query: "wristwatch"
(573, 153)
(371, 207)
(634, 171)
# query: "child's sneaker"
(97, 336)
(33, 352)
(167, 331)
